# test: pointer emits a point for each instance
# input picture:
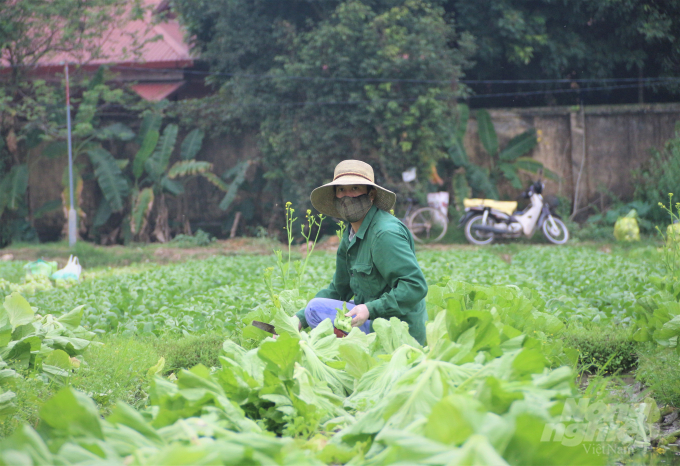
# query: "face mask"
(353, 209)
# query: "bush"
(658, 177)
(190, 351)
(607, 349)
(200, 238)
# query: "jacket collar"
(368, 219)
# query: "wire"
(402, 80)
(360, 102)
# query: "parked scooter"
(486, 219)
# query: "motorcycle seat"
(507, 207)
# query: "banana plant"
(155, 177)
(12, 188)
(509, 161)
(505, 163)
(467, 176)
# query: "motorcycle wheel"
(476, 236)
(555, 230)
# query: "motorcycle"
(486, 219)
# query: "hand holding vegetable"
(342, 321)
(359, 314)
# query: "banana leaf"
(458, 154)
(115, 131)
(13, 187)
(478, 179)
(142, 204)
(150, 122)
(239, 173)
(463, 117)
(173, 187)
(533, 166)
(144, 152)
(192, 144)
(510, 173)
(487, 133)
(519, 145)
(159, 160)
(102, 215)
(188, 168)
(110, 178)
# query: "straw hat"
(349, 172)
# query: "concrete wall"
(604, 148)
(603, 143)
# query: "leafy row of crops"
(494, 373)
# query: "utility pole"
(72, 219)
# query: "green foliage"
(658, 177)
(509, 160)
(491, 367)
(238, 172)
(191, 351)
(199, 239)
(111, 181)
(157, 163)
(658, 369)
(43, 346)
(146, 148)
(580, 38)
(111, 373)
(603, 349)
(142, 202)
(671, 247)
(311, 124)
(191, 144)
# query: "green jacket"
(379, 268)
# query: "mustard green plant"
(671, 248)
(313, 221)
(307, 231)
(342, 229)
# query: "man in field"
(376, 262)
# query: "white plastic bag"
(70, 271)
(439, 201)
(409, 175)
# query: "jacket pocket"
(362, 282)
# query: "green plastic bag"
(40, 268)
(626, 228)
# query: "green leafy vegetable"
(341, 321)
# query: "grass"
(89, 255)
(113, 371)
(191, 351)
(658, 368)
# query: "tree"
(570, 39)
(399, 118)
(32, 110)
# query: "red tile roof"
(164, 47)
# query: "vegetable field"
(501, 379)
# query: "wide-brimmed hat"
(349, 172)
